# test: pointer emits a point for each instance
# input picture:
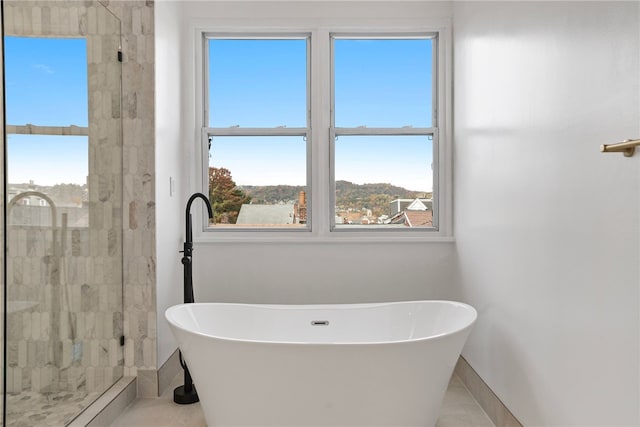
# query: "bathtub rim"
(451, 332)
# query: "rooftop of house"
(266, 214)
(413, 218)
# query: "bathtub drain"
(319, 323)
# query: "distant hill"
(349, 196)
(272, 194)
(376, 197)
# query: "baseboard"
(152, 382)
(168, 371)
(486, 398)
(109, 406)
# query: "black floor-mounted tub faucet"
(186, 394)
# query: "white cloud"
(44, 68)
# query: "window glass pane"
(385, 181)
(383, 83)
(43, 86)
(258, 83)
(258, 181)
(55, 166)
(46, 159)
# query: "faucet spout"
(188, 245)
(188, 232)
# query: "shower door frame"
(115, 234)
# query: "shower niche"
(63, 211)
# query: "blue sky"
(379, 83)
(46, 85)
(253, 83)
(383, 83)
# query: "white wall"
(276, 272)
(316, 272)
(323, 273)
(546, 226)
(169, 163)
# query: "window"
(383, 131)
(47, 126)
(258, 134)
(374, 161)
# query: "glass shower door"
(63, 209)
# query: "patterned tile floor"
(29, 409)
(459, 409)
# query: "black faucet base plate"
(185, 398)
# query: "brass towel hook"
(628, 147)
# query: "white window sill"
(212, 237)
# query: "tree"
(226, 198)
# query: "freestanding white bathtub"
(384, 364)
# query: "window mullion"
(332, 178)
(236, 131)
(436, 195)
(28, 129)
(384, 131)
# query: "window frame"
(319, 142)
(336, 132)
(212, 132)
(57, 129)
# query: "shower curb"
(109, 406)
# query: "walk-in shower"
(63, 208)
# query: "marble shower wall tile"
(87, 281)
